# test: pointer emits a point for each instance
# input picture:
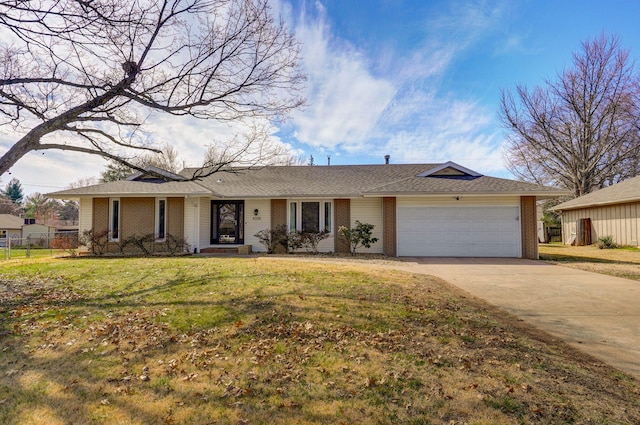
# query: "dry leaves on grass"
(412, 349)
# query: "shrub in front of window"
(96, 241)
(143, 243)
(310, 240)
(273, 238)
(358, 236)
(294, 241)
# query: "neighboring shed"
(613, 211)
(40, 234)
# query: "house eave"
(128, 195)
(290, 196)
(595, 204)
(540, 195)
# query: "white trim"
(321, 213)
(157, 220)
(450, 164)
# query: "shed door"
(459, 231)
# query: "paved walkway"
(595, 313)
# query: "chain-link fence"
(37, 245)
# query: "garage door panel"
(459, 231)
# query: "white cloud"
(447, 130)
(344, 99)
(357, 113)
(53, 170)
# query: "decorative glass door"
(227, 222)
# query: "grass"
(230, 341)
(621, 262)
(31, 253)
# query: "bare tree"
(252, 149)
(167, 159)
(7, 206)
(83, 181)
(582, 130)
(91, 72)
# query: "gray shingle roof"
(8, 221)
(132, 188)
(625, 191)
(321, 181)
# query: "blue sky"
(418, 80)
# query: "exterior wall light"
(256, 212)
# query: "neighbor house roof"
(619, 193)
(326, 181)
(8, 221)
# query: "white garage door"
(459, 231)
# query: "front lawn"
(231, 341)
(620, 262)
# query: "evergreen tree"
(13, 191)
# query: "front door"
(227, 222)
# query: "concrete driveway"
(595, 313)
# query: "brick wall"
(278, 212)
(278, 217)
(137, 216)
(528, 215)
(175, 217)
(389, 226)
(100, 214)
(341, 217)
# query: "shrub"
(144, 243)
(606, 242)
(176, 245)
(67, 243)
(310, 240)
(358, 236)
(273, 238)
(96, 241)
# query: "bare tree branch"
(581, 131)
(93, 69)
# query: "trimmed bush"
(606, 242)
(358, 236)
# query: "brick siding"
(137, 216)
(100, 214)
(528, 215)
(175, 217)
(341, 217)
(389, 226)
(278, 212)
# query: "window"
(327, 217)
(293, 216)
(161, 218)
(114, 220)
(310, 216)
(3, 234)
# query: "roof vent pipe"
(386, 159)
